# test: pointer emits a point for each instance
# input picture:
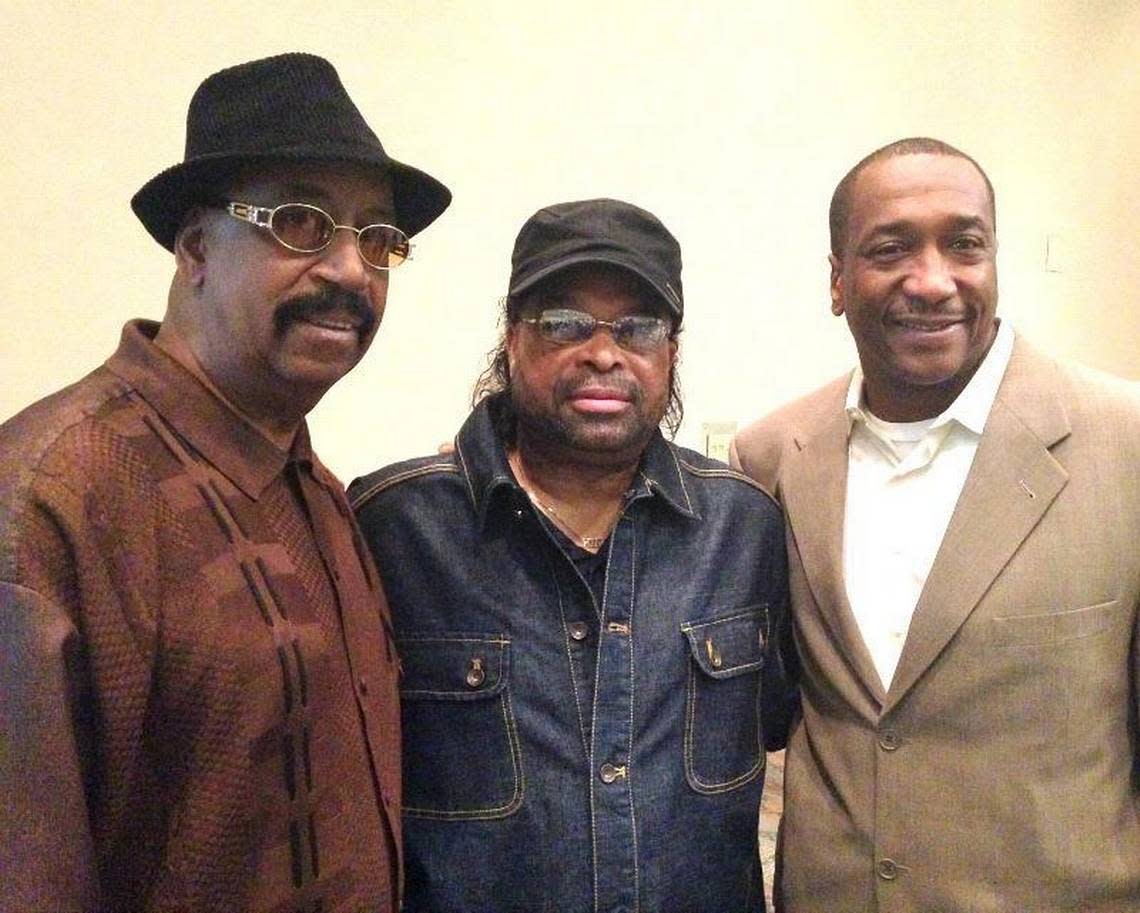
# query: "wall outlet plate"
(716, 437)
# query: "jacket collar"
(209, 425)
(1013, 480)
(1031, 388)
(482, 460)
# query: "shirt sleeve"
(45, 838)
(781, 671)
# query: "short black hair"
(839, 214)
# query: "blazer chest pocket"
(722, 739)
(1045, 629)
(461, 746)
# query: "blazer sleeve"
(1135, 716)
(754, 453)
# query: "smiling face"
(273, 329)
(591, 402)
(917, 281)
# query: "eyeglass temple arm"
(258, 215)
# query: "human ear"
(836, 284)
(190, 248)
(511, 342)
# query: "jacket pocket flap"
(453, 667)
(728, 646)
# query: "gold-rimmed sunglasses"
(308, 229)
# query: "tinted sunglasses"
(309, 229)
(564, 326)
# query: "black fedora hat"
(288, 108)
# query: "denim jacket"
(568, 756)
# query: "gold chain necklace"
(590, 543)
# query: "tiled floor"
(771, 807)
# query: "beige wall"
(731, 121)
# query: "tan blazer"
(997, 772)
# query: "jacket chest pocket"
(722, 740)
(461, 745)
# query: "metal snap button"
(579, 630)
(611, 772)
(475, 672)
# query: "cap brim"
(163, 201)
(581, 257)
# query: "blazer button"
(889, 740)
(888, 869)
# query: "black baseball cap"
(598, 231)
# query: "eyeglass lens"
(308, 229)
(637, 332)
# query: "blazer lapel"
(1012, 482)
(813, 486)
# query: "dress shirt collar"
(211, 426)
(972, 406)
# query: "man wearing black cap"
(197, 685)
(582, 609)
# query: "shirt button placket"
(611, 797)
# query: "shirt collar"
(482, 459)
(660, 473)
(972, 406)
(223, 437)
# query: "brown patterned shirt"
(198, 702)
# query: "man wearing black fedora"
(583, 610)
(197, 680)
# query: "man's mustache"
(302, 307)
(622, 387)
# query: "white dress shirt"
(903, 480)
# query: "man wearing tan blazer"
(964, 541)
